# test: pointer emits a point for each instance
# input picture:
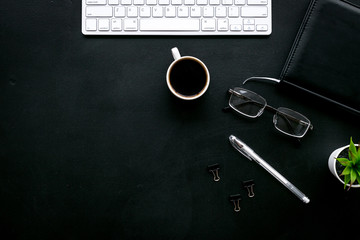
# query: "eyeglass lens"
(291, 122)
(247, 103)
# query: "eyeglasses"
(285, 120)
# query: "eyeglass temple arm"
(277, 81)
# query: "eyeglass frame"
(267, 106)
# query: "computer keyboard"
(176, 17)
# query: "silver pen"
(251, 155)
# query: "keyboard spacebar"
(169, 24)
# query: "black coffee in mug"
(188, 77)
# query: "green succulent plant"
(351, 172)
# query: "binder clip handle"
(214, 169)
(235, 199)
(249, 185)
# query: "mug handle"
(175, 52)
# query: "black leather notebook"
(325, 57)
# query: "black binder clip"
(214, 169)
(235, 199)
(249, 185)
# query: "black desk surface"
(93, 145)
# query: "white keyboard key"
(223, 24)
(169, 24)
(151, 2)
(91, 24)
(249, 21)
(132, 12)
(119, 11)
(157, 12)
(189, 2)
(96, 2)
(164, 2)
(113, 2)
(227, 2)
(130, 24)
(145, 11)
(208, 12)
(99, 11)
(254, 11)
(257, 2)
(208, 24)
(214, 2)
(115, 24)
(183, 12)
(126, 2)
(176, 2)
(170, 12)
(261, 27)
(139, 2)
(239, 2)
(220, 11)
(195, 12)
(235, 27)
(249, 27)
(201, 2)
(104, 24)
(233, 11)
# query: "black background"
(94, 146)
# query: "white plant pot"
(332, 165)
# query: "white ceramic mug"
(187, 77)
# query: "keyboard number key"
(90, 24)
